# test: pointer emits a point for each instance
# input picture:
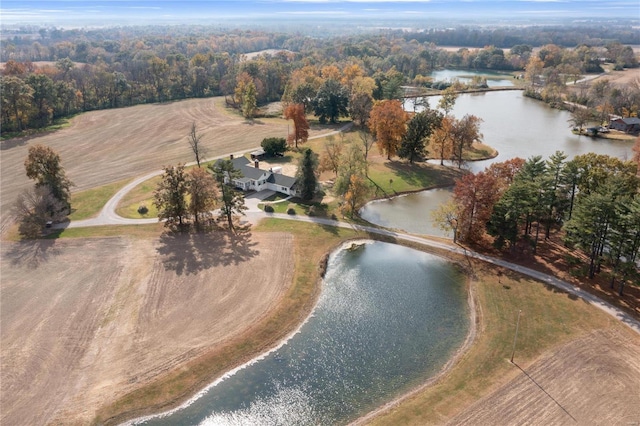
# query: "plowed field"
(86, 321)
(594, 380)
(101, 147)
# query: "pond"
(516, 126)
(494, 79)
(388, 318)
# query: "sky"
(78, 13)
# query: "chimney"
(230, 156)
(256, 164)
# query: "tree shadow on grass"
(190, 253)
(423, 175)
(32, 253)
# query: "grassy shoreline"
(552, 318)
(311, 244)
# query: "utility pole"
(515, 337)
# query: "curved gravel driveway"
(108, 216)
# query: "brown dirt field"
(86, 321)
(100, 147)
(622, 78)
(589, 381)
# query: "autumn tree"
(195, 144)
(202, 195)
(448, 100)
(464, 133)
(446, 217)
(303, 94)
(352, 162)
(331, 156)
(580, 116)
(17, 98)
(475, 196)
(360, 106)
(43, 166)
(533, 70)
(387, 123)
(419, 129)
(246, 95)
(296, 113)
(36, 207)
(43, 98)
(169, 197)
(232, 200)
(307, 175)
(330, 103)
(440, 142)
(366, 142)
(356, 194)
(249, 100)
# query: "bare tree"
(35, 208)
(195, 144)
(367, 141)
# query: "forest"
(592, 198)
(49, 74)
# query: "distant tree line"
(110, 68)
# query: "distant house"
(256, 179)
(628, 125)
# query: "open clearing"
(86, 321)
(591, 381)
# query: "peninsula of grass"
(312, 242)
(141, 195)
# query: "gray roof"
(252, 172)
(282, 180)
(249, 172)
(631, 120)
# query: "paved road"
(108, 216)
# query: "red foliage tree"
(475, 195)
(387, 123)
(300, 133)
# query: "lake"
(388, 318)
(516, 126)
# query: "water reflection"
(516, 126)
(388, 318)
(465, 76)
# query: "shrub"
(291, 211)
(274, 146)
(143, 209)
(268, 208)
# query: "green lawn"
(87, 204)
(140, 195)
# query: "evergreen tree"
(308, 174)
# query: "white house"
(255, 179)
